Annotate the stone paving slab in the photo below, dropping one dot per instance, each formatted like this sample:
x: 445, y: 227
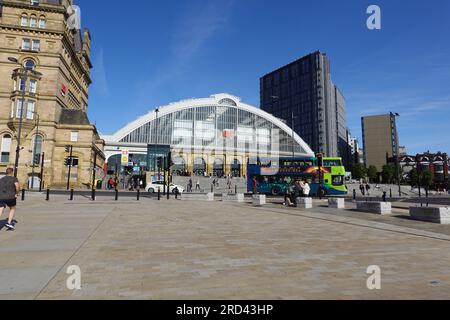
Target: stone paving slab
x: 176, y: 250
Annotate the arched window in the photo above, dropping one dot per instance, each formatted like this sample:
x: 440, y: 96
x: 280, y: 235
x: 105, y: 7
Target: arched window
x: 37, y: 150
x: 179, y: 166
x: 42, y: 22
x: 199, y: 167
x: 218, y: 168
x: 6, y: 148
x: 33, y: 21
x: 24, y: 20
x: 29, y: 64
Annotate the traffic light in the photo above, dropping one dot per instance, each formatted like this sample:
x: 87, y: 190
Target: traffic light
x: 68, y: 162
x: 169, y: 160
x: 160, y: 162
x: 36, y: 158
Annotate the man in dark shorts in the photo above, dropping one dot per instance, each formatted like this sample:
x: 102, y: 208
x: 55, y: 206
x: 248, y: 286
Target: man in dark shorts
x: 9, y: 191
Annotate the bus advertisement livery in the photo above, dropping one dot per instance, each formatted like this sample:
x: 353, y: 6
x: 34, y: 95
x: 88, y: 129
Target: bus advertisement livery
x: 274, y: 176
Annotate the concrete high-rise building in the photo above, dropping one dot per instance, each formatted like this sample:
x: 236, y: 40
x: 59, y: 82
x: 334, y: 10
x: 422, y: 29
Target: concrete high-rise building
x: 303, y: 95
x: 45, y: 76
x: 380, y: 139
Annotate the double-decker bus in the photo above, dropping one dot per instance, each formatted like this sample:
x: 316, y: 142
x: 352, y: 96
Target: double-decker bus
x: 274, y: 176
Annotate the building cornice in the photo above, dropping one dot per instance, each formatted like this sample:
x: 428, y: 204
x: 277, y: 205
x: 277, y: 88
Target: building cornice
x: 46, y: 7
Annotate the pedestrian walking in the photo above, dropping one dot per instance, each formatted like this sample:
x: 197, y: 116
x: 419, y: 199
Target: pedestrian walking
x: 362, y: 188
x: 368, y: 189
x: 197, y: 186
x: 255, y: 185
x: 9, y: 191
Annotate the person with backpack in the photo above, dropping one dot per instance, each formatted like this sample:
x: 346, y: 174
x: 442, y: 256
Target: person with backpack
x: 9, y: 191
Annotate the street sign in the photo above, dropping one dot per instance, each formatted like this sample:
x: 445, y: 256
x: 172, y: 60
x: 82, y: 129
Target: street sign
x: 125, y: 157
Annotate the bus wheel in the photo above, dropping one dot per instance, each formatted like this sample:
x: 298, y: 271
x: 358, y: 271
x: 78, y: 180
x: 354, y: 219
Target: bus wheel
x: 322, y: 193
x: 275, y: 191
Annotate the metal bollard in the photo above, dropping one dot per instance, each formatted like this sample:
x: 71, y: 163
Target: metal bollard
x: 384, y: 196
x: 159, y: 194
x: 48, y: 195
x: 117, y: 195
x: 390, y: 193
x: 176, y: 194
x: 23, y: 194
x: 354, y: 194
x: 71, y: 194
x: 93, y: 195
x: 138, y: 195
x: 168, y: 193
x: 235, y: 189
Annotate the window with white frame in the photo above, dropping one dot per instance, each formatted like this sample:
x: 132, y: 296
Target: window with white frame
x: 22, y: 85
x: 37, y: 150
x: 42, y: 22
x: 5, y: 148
x: 19, y: 108
x: 33, y: 21
x: 36, y: 45
x: 33, y: 86
x: 26, y: 44
x: 34, y: 2
x: 24, y: 21
x: 30, y: 109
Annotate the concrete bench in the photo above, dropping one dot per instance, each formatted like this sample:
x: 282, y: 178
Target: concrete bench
x: 197, y: 197
x: 304, y: 203
x: 336, y: 203
x: 233, y: 197
x: 430, y: 214
x: 259, y: 200
x: 383, y: 208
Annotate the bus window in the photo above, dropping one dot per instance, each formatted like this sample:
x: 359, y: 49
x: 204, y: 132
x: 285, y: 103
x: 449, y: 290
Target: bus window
x: 338, y: 180
x: 332, y: 163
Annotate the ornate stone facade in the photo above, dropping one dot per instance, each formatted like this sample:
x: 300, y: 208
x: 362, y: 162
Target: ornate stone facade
x: 37, y: 42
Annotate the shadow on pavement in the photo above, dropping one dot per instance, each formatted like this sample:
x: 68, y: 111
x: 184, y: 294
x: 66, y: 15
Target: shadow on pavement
x: 3, y: 224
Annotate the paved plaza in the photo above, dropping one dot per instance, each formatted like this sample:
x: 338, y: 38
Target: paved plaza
x: 200, y: 250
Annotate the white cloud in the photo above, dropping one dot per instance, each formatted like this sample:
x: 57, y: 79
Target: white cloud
x: 100, y: 82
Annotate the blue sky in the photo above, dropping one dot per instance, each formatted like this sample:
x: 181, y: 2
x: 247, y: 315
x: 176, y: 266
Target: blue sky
x: 149, y: 53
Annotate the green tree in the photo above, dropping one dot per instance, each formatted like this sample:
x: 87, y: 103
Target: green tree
x: 388, y: 173
x: 372, y: 173
x: 414, y: 177
x: 426, y: 179
x: 359, y: 171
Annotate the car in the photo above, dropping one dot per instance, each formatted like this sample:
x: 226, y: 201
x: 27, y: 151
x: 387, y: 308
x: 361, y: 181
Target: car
x: 154, y: 186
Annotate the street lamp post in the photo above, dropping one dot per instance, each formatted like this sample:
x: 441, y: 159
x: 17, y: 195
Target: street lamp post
x: 156, y: 144
x: 34, y: 149
x: 24, y: 77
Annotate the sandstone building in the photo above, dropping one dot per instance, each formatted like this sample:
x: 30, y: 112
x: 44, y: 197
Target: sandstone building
x: 37, y: 41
